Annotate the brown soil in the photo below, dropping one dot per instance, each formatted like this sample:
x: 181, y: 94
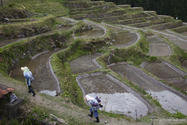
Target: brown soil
x: 162, y: 71
x: 153, y: 38
x: 136, y: 77
x: 159, y: 49
x: 84, y: 64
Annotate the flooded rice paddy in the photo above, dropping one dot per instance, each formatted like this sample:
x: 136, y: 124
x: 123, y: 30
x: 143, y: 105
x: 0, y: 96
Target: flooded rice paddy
x: 97, y: 31
x: 123, y: 39
x: 116, y: 97
x: 177, y: 41
x: 84, y: 64
x: 43, y: 78
x: 162, y: 70
x: 136, y: 77
x: 159, y: 49
x: 167, y: 97
x: 122, y: 103
x: 153, y: 38
x: 170, y: 101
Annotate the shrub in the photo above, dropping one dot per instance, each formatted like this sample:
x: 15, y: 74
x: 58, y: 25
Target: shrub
x: 152, y: 59
x: 11, y: 5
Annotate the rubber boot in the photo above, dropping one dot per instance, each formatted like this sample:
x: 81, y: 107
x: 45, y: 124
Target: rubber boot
x: 97, y: 119
x: 31, y: 90
x: 91, y: 115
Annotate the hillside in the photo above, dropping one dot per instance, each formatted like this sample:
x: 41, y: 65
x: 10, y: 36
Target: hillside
x: 79, y: 47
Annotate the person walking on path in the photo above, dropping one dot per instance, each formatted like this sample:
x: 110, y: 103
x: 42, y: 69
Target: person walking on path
x: 95, y: 104
x: 29, y: 78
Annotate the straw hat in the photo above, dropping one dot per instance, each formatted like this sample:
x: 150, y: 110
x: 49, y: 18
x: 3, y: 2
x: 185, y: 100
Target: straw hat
x: 25, y: 69
x: 85, y: 98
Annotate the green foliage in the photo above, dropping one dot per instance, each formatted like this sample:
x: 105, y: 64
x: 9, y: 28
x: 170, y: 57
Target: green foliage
x: 152, y: 59
x: 27, y: 28
x: 179, y: 115
x: 38, y: 11
x: 11, y: 5
x: 67, y: 81
x: 116, y: 59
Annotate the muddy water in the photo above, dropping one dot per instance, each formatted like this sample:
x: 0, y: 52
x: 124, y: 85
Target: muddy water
x: 115, y: 98
x: 136, y: 78
x: 122, y: 103
x: 123, y: 39
x: 84, y: 64
x: 9, y: 41
x: 39, y: 66
x: 167, y: 99
x: 162, y: 71
x: 170, y: 101
x: 159, y: 49
x: 153, y: 38
x: 100, y: 84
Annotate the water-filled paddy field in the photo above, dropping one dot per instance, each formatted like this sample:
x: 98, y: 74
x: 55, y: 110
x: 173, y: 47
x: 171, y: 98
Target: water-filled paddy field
x: 116, y: 96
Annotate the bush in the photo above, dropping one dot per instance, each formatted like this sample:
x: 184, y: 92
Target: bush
x: 11, y: 5
x: 153, y: 59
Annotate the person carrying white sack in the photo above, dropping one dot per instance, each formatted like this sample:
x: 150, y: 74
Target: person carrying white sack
x: 95, y: 104
x: 29, y: 78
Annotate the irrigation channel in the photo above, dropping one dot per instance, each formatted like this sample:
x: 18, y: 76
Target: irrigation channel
x: 116, y: 96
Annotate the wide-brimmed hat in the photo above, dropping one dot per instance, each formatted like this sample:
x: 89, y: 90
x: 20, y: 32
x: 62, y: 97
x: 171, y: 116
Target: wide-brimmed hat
x: 88, y: 98
x: 25, y: 69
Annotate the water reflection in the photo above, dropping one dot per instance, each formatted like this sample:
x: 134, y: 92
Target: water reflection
x: 122, y: 103
x: 170, y: 101
x: 39, y: 66
x: 137, y: 77
x: 167, y: 99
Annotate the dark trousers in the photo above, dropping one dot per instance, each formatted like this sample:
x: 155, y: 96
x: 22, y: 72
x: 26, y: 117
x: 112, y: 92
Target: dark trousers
x: 31, y: 90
